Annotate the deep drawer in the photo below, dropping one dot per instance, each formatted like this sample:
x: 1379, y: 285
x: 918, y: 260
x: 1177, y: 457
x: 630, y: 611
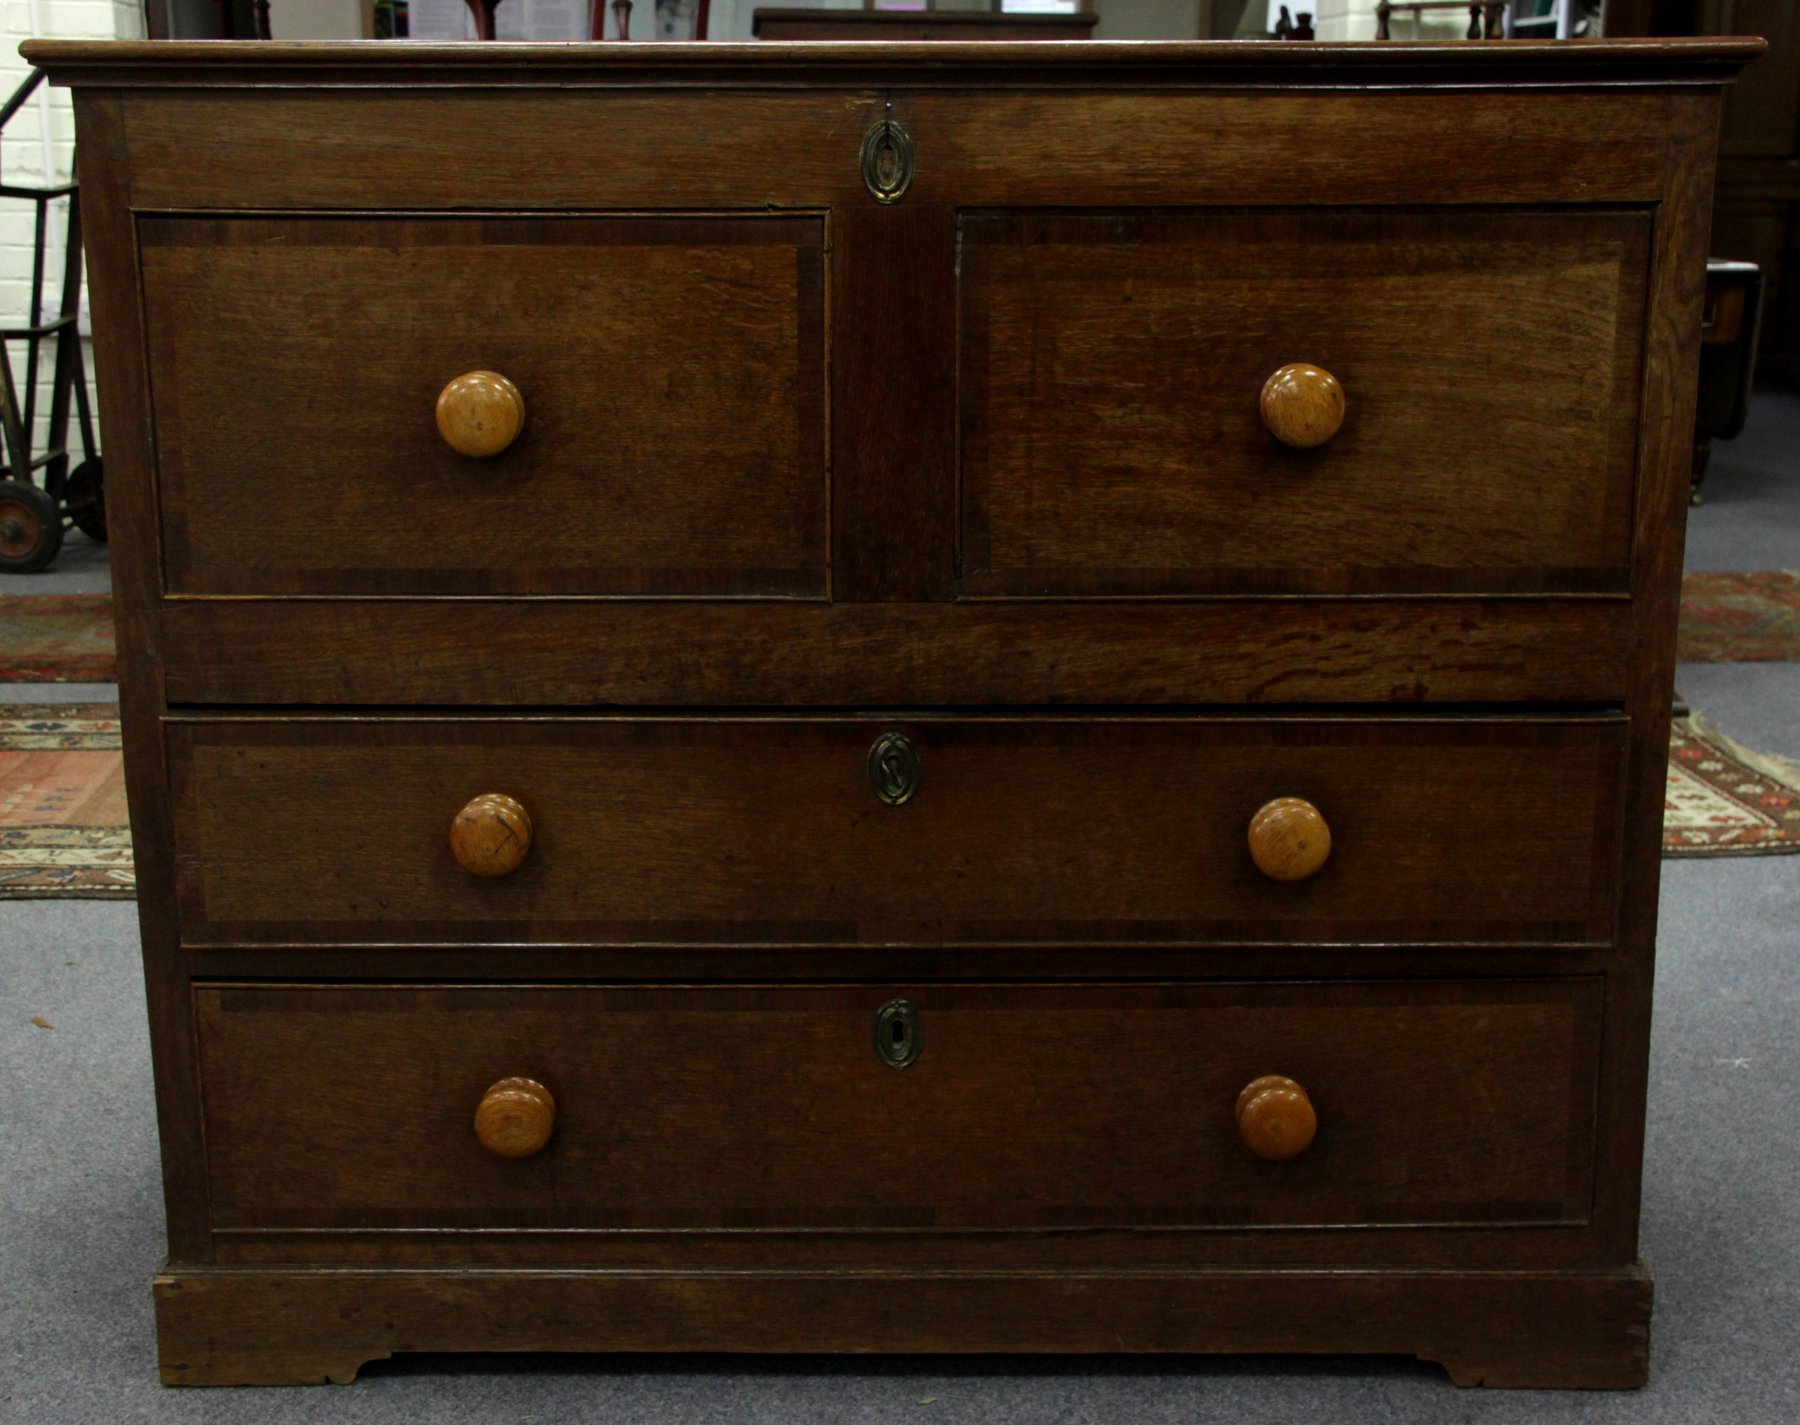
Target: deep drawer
x: 1114, y: 442
x: 1025, y: 1106
x: 671, y: 372
x: 1040, y: 830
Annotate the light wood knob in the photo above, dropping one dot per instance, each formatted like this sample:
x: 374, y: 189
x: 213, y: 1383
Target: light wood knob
x: 490, y: 836
x: 1275, y: 1118
x: 480, y: 413
x: 1289, y: 839
x: 1302, y: 405
x: 515, y: 1117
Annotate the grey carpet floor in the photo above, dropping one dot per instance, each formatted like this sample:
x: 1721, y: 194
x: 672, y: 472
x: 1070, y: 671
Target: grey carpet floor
x: 80, y: 1233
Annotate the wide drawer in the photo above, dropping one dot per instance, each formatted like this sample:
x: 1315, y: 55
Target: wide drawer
x: 671, y: 373
x: 1114, y: 440
x: 1017, y: 830
x: 745, y: 1107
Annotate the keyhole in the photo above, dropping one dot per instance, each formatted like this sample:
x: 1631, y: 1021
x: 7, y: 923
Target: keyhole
x: 893, y: 768
x: 897, y: 1034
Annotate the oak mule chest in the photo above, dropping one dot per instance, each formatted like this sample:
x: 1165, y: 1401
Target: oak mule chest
x: 905, y: 698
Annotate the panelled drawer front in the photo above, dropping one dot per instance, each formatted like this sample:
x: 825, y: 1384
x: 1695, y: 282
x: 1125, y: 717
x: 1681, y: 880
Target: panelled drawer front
x: 747, y: 1107
x: 727, y: 831
x: 671, y: 372
x: 1112, y: 364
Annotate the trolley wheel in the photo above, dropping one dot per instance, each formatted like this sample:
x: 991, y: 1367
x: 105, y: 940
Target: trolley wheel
x: 85, y: 499
x: 31, y: 528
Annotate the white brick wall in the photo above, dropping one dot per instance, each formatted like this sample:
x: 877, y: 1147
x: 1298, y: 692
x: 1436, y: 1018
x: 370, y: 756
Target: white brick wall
x: 25, y: 159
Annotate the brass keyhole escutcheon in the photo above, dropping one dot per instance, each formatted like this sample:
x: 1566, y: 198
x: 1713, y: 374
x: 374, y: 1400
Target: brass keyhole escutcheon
x: 894, y: 768
x: 898, y: 1036
x: 887, y: 161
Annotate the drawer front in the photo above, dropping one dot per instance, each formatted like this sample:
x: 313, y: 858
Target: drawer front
x: 1113, y: 435
x: 670, y: 370
x: 773, y: 831
x: 748, y: 1107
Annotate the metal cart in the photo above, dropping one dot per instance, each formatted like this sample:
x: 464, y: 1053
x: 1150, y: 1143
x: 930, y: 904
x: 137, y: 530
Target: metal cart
x: 33, y: 517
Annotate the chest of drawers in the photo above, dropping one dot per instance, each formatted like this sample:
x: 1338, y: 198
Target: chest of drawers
x: 924, y: 698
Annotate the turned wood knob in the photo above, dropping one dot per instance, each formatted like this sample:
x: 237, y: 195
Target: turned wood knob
x: 1302, y: 405
x: 514, y: 1118
x: 480, y: 413
x: 1289, y: 839
x: 490, y: 836
x: 1275, y: 1118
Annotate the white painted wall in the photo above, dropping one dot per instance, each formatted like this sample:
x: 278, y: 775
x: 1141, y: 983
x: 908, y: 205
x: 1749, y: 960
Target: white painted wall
x: 316, y: 19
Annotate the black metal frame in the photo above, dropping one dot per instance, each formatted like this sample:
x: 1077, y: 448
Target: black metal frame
x: 69, y: 377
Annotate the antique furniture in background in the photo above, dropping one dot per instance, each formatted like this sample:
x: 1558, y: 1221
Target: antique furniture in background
x: 910, y: 716
x: 1729, y: 325
x: 1485, y: 17
x: 1756, y: 213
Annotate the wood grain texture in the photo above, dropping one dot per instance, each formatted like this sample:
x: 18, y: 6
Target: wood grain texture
x: 1112, y: 364
x: 541, y: 653
x: 894, y: 401
x: 480, y: 413
x: 1545, y: 634
x: 1302, y: 405
x: 766, y: 1107
x: 490, y: 835
x: 1633, y: 63
x: 1672, y: 354
x: 1276, y: 1118
x: 665, y: 452
x: 729, y: 831
x: 515, y: 1118
x: 1289, y: 839
x: 1496, y: 1328
x: 310, y: 150
x: 122, y: 378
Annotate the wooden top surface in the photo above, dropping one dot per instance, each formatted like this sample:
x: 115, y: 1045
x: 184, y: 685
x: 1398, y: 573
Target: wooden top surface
x: 1043, y: 63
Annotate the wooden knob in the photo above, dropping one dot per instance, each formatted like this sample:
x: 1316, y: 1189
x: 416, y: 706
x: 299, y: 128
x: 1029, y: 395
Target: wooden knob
x: 480, y: 413
x: 1275, y: 1118
x: 1289, y: 839
x: 490, y: 836
x: 1302, y: 405
x: 514, y: 1118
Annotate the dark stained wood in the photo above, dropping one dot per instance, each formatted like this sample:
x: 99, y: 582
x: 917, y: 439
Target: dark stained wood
x: 721, y: 831
x: 549, y: 653
x: 131, y: 522
x: 1112, y: 365
x: 893, y: 402
x: 1043, y: 1249
x: 1070, y: 1107
x: 1461, y: 991
x: 1672, y: 359
x: 660, y: 454
x: 1495, y: 1328
x: 311, y: 150
x: 1630, y: 63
